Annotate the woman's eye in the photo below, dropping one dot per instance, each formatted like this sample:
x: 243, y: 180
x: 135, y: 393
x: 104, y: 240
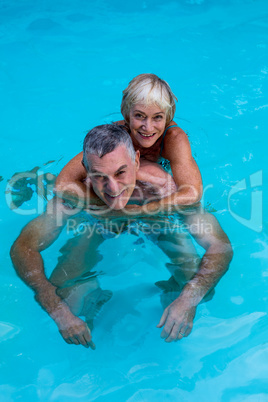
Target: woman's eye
x: 158, y: 117
x: 138, y: 115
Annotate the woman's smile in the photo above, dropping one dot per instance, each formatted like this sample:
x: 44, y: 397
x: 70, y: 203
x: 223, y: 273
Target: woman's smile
x: 144, y: 135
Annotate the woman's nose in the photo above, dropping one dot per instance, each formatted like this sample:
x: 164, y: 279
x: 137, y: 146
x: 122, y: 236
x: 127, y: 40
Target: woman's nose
x: 148, y: 125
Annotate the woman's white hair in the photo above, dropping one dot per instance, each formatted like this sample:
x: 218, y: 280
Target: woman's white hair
x: 148, y: 89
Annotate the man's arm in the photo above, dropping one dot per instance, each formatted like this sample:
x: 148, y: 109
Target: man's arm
x: 38, y: 235
x: 177, y: 318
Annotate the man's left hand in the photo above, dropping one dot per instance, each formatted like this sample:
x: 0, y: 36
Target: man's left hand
x: 177, y: 320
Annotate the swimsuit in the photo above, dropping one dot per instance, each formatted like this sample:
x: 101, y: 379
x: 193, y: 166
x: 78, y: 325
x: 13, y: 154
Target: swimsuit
x: 165, y: 163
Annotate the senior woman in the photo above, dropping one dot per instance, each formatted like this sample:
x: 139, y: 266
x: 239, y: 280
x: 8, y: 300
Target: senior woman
x: 148, y: 107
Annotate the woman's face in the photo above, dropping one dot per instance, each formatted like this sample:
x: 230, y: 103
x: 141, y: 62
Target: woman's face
x: 147, y: 124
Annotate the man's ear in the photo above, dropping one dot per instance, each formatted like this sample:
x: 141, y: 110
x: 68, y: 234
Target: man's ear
x: 137, y: 160
x: 88, y: 180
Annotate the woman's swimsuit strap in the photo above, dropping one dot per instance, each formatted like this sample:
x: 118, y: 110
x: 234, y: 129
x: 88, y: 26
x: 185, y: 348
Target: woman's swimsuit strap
x: 162, y: 142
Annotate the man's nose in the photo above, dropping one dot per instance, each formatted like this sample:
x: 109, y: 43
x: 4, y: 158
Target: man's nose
x: 112, y: 186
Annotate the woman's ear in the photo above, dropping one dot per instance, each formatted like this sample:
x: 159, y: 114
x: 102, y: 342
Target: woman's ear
x: 137, y: 160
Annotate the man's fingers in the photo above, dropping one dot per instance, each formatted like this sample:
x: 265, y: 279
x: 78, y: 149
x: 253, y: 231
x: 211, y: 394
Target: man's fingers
x: 167, y: 329
x: 92, y: 345
x: 68, y: 341
x: 87, y: 334
x: 88, y: 344
x: 80, y: 338
x: 183, y: 332
x: 75, y: 340
x: 66, y: 337
x: 84, y: 340
x: 188, y: 330
x: 180, y: 334
x: 173, y: 335
x: 163, y: 319
x: 88, y: 338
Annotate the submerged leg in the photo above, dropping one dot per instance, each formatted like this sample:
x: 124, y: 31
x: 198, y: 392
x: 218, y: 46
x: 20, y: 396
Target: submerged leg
x: 184, y: 265
x: 93, y: 303
x: 76, y: 279
x: 183, y: 256
x: 78, y: 258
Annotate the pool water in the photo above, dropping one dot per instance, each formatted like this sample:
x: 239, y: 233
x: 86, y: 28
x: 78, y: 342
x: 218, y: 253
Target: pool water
x: 63, y: 67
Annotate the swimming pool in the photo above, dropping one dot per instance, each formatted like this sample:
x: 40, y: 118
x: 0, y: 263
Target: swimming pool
x: 63, y: 67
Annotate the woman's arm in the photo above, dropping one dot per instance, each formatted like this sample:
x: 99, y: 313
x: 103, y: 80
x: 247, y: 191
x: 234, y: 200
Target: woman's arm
x: 185, y: 172
x: 70, y: 182
x: 71, y: 187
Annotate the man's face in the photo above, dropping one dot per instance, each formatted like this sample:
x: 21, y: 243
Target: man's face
x: 113, y: 176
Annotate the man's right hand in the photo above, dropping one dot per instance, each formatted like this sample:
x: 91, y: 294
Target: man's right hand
x: 72, y: 328
x: 75, y: 331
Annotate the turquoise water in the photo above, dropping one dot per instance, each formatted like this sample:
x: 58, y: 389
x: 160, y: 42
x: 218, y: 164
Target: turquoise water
x: 63, y: 67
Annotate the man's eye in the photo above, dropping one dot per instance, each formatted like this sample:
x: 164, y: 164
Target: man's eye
x: 98, y: 177
x: 120, y: 173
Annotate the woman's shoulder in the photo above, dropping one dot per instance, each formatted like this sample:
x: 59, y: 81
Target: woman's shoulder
x: 175, y: 140
x: 173, y: 129
x: 175, y: 133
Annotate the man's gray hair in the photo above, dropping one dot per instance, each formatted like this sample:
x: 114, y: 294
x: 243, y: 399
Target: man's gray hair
x: 103, y: 139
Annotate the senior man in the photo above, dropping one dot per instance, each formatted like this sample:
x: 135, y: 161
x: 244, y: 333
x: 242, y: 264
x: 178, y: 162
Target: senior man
x: 117, y: 179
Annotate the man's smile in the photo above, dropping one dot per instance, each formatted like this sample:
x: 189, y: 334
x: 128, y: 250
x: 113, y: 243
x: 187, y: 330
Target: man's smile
x: 114, y: 195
